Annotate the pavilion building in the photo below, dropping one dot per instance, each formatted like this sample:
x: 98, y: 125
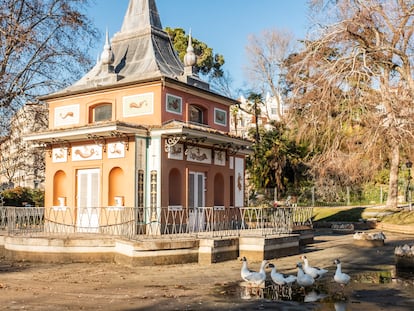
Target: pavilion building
x: 141, y: 130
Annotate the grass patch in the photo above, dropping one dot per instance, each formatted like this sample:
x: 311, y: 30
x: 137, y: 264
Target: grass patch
x: 399, y: 218
x: 354, y: 214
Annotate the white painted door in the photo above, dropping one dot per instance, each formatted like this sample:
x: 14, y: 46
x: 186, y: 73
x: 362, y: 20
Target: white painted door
x: 196, y: 201
x: 88, y: 200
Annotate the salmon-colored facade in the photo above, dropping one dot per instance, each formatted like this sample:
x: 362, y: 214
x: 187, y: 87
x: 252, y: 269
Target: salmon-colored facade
x: 123, y: 137
x: 61, y: 173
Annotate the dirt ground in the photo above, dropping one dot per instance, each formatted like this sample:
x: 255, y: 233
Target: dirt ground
x: 106, y: 286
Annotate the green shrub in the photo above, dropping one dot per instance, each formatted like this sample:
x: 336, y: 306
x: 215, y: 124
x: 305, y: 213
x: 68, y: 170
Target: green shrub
x: 21, y: 196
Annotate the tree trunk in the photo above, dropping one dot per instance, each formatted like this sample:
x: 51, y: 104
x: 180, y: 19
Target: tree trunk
x: 392, y: 199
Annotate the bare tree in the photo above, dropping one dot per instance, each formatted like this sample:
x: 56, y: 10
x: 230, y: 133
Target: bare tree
x: 353, y: 89
x: 43, y: 46
x: 10, y: 164
x: 21, y: 163
x: 266, y: 53
x: 224, y: 85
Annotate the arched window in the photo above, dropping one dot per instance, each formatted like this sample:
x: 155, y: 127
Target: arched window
x: 101, y: 112
x: 197, y: 115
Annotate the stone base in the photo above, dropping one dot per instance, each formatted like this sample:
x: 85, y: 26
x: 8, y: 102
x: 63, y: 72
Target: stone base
x: 156, y: 252
x: 96, y: 248
x: 270, y: 247
x: 307, y: 234
x: 158, y: 258
x: 218, y: 250
x: 63, y: 258
x: 59, y: 250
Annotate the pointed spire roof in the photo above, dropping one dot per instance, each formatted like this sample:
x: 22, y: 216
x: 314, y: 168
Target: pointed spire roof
x: 141, y: 50
x: 140, y: 15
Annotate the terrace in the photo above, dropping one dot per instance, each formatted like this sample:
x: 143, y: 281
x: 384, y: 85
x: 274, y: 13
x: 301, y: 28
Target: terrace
x: 214, y: 235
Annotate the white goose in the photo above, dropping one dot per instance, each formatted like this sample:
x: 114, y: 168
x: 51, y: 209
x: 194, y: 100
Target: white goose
x: 303, y: 279
x: 244, y: 269
x: 282, y: 283
x: 258, y: 278
x: 253, y: 277
x: 340, y: 277
x: 279, y: 278
x: 314, y: 272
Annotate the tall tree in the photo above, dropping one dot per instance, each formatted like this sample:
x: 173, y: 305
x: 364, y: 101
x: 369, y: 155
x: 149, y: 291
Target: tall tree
x: 255, y: 104
x: 266, y: 53
x: 277, y: 160
x: 353, y: 88
x: 40, y: 40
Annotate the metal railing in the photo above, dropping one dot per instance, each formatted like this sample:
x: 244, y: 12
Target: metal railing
x: 165, y: 222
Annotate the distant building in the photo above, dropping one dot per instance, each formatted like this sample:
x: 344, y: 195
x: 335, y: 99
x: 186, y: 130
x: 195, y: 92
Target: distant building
x: 22, y: 163
x: 243, y: 119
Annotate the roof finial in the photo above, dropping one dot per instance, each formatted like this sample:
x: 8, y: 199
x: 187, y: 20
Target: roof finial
x: 107, y: 57
x: 190, y: 59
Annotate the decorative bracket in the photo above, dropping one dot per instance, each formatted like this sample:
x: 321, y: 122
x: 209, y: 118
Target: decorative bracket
x: 121, y: 136
x: 98, y: 140
x: 48, y: 148
x: 230, y: 148
x: 171, y: 141
x: 64, y: 144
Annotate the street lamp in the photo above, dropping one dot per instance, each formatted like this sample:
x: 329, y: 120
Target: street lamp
x: 408, y: 165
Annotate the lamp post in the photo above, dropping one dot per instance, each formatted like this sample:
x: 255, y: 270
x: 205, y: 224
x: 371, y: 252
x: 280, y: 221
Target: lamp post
x: 408, y: 165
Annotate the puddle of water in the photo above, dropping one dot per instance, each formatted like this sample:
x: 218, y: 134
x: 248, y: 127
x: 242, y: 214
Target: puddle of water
x: 367, y: 291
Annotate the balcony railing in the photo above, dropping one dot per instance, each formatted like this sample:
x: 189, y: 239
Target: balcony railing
x: 140, y: 223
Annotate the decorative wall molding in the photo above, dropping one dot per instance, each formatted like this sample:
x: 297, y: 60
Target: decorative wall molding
x: 116, y: 150
x: 176, y: 152
x: 200, y: 155
x: 123, y: 138
x: 86, y: 152
x: 66, y: 115
x: 220, y: 117
x: 219, y: 157
x: 137, y: 105
x: 59, y: 155
x: 174, y: 104
x: 239, y: 181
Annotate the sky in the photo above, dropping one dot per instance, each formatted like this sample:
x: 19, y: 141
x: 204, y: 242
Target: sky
x: 223, y: 25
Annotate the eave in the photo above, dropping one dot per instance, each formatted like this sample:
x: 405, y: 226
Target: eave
x: 193, y: 134
x: 91, y: 131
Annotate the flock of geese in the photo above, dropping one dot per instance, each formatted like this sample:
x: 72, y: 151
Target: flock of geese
x: 305, y: 278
